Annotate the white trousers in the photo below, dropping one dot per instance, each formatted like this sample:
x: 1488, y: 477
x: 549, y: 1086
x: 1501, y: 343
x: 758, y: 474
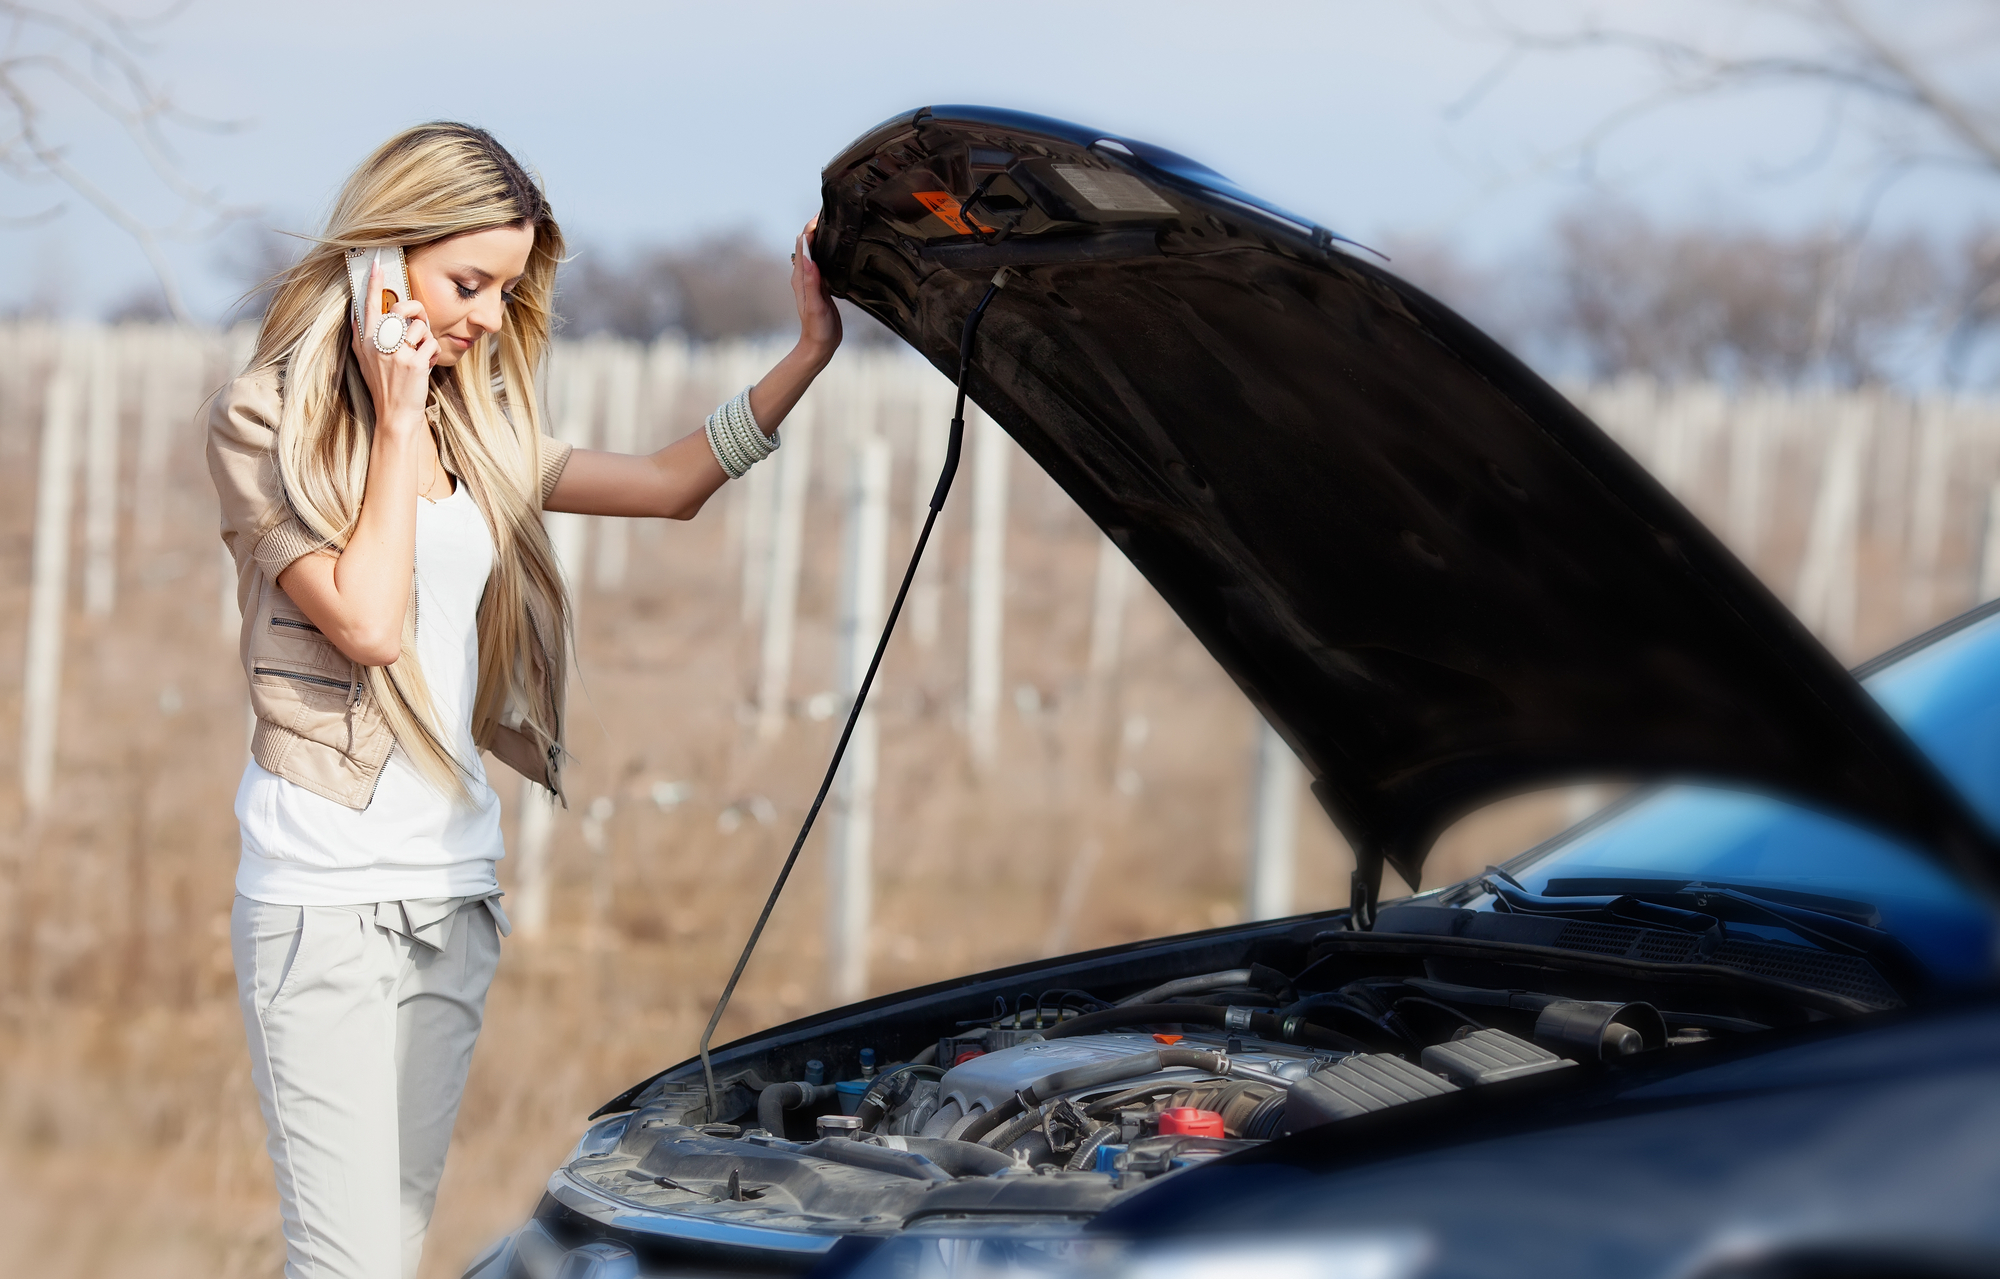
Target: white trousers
x: 360, y: 1037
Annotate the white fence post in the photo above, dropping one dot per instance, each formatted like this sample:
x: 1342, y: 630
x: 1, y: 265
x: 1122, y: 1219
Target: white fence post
x: 666, y: 375
x: 1269, y: 875
x: 1825, y: 592
x: 934, y: 400
x: 1929, y: 492
x: 573, y: 403
x: 622, y: 371
x: 1748, y: 451
x: 163, y: 355
x: 753, y: 500
x: 41, y: 692
x: 537, y: 824
x: 1107, y: 609
x: 986, y: 613
x: 100, y: 510
x: 850, y: 865
x: 781, y: 599
x: 576, y: 424
x: 1989, y: 548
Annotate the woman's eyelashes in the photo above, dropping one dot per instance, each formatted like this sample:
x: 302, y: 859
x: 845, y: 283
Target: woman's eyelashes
x: 467, y: 292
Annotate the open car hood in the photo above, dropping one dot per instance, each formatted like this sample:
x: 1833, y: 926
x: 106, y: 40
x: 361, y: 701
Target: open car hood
x: 1435, y: 577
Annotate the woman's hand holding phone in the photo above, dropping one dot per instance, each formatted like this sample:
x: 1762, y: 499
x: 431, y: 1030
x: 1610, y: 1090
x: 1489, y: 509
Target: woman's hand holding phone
x: 358, y: 597
x: 399, y: 382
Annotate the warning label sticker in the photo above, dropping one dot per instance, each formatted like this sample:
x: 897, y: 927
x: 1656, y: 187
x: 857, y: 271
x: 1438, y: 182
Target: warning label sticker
x: 1111, y: 191
x: 946, y: 207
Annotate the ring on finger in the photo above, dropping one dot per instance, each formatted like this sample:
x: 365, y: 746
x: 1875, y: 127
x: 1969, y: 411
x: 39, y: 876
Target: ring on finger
x: 390, y: 332
x: 411, y: 337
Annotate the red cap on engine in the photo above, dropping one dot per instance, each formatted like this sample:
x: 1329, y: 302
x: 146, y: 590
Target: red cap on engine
x: 1190, y: 1121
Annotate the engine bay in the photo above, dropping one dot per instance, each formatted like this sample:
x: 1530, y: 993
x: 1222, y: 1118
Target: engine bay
x: 1053, y: 1102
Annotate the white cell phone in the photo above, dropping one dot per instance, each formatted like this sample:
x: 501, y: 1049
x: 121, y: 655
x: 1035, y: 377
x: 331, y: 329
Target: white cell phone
x: 395, y: 280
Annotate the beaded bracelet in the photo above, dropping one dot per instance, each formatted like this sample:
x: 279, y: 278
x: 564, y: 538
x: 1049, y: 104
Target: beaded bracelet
x: 735, y: 438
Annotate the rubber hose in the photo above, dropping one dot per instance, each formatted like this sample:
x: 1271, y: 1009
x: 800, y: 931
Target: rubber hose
x: 860, y: 1154
x: 775, y: 1100
x: 1049, y: 1087
x: 1012, y: 1131
x: 1188, y: 986
x: 983, y: 1124
x: 1335, y: 1003
x: 874, y: 1103
x: 959, y: 1158
x: 1263, y: 1025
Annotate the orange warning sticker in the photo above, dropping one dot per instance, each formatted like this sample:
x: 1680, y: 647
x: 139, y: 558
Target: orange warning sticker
x: 945, y: 206
x: 1168, y: 1039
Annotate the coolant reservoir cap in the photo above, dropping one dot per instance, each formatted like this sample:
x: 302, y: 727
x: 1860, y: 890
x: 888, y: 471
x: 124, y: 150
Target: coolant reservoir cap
x: 1190, y: 1121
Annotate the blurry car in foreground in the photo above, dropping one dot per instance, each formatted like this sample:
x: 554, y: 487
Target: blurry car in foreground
x: 1740, y: 1023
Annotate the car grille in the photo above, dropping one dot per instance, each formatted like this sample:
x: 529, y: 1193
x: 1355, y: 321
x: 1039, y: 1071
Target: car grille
x: 1848, y: 975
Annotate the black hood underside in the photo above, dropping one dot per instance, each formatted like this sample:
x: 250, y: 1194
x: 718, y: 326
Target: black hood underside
x: 1434, y: 576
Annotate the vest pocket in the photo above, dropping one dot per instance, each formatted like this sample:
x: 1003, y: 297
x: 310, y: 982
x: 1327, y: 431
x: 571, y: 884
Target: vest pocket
x: 300, y: 677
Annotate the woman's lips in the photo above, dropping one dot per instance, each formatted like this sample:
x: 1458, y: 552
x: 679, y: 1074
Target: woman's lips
x: 464, y: 344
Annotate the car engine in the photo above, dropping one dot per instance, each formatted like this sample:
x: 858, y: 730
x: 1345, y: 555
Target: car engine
x: 1052, y: 1112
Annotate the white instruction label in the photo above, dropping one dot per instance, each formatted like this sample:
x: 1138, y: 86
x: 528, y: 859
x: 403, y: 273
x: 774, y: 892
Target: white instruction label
x: 1113, y: 192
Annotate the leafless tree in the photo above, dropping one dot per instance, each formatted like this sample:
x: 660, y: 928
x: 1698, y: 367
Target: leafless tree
x: 1903, y: 88
x: 255, y: 255
x: 65, y: 65
x: 1917, y: 83
x: 721, y: 286
x: 1736, y: 305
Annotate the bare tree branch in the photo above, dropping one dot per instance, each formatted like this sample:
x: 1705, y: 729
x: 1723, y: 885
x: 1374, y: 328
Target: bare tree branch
x: 1834, y: 48
x: 96, y: 54
x: 1918, y: 86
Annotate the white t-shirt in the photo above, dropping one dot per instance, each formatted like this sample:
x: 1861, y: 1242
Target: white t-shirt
x: 412, y: 841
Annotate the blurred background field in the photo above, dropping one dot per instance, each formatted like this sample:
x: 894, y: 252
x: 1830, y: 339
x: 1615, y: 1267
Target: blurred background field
x: 1758, y: 240
x: 1117, y: 803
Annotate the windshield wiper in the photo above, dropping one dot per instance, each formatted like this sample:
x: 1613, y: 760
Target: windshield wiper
x: 1718, y: 904
x: 1625, y: 908
x: 1858, y: 912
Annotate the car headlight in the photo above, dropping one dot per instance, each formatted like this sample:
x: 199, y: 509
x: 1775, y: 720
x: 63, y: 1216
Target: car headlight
x: 1335, y: 1255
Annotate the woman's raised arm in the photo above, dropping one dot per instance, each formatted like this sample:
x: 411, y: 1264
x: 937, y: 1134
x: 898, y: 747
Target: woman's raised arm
x: 357, y: 599
x: 674, y: 482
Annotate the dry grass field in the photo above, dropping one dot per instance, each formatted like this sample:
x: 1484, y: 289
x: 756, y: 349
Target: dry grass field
x: 129, y: 1137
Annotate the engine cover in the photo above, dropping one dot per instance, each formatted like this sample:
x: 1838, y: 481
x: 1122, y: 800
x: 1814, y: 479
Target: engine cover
x: 985, y: 1081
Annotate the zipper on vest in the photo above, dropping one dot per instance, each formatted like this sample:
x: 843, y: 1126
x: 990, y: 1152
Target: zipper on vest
x: 296, y: 625
x: 300, y: 676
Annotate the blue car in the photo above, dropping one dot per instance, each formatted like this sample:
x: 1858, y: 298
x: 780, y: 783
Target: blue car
x: 1742, y: 1023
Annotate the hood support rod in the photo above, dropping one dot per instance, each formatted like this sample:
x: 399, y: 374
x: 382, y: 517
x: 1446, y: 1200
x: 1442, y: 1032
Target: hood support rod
x: 953, y: 449
x: 1364, y: 886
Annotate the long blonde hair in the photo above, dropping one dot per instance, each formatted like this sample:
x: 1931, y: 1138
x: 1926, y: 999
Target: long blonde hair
x: 423, y: 185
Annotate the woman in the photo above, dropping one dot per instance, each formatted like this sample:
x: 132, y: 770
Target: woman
x: 402, y: 611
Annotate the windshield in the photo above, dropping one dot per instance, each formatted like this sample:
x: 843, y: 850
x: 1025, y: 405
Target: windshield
x: 1946, y: 696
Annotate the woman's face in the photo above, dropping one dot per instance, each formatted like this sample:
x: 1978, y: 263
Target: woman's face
x: 464, y: 284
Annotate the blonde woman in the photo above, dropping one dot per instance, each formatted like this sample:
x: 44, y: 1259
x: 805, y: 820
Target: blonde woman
x: 402, y: 612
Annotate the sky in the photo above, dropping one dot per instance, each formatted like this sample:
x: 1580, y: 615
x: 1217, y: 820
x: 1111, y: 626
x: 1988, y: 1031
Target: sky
x: 663, y: 121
